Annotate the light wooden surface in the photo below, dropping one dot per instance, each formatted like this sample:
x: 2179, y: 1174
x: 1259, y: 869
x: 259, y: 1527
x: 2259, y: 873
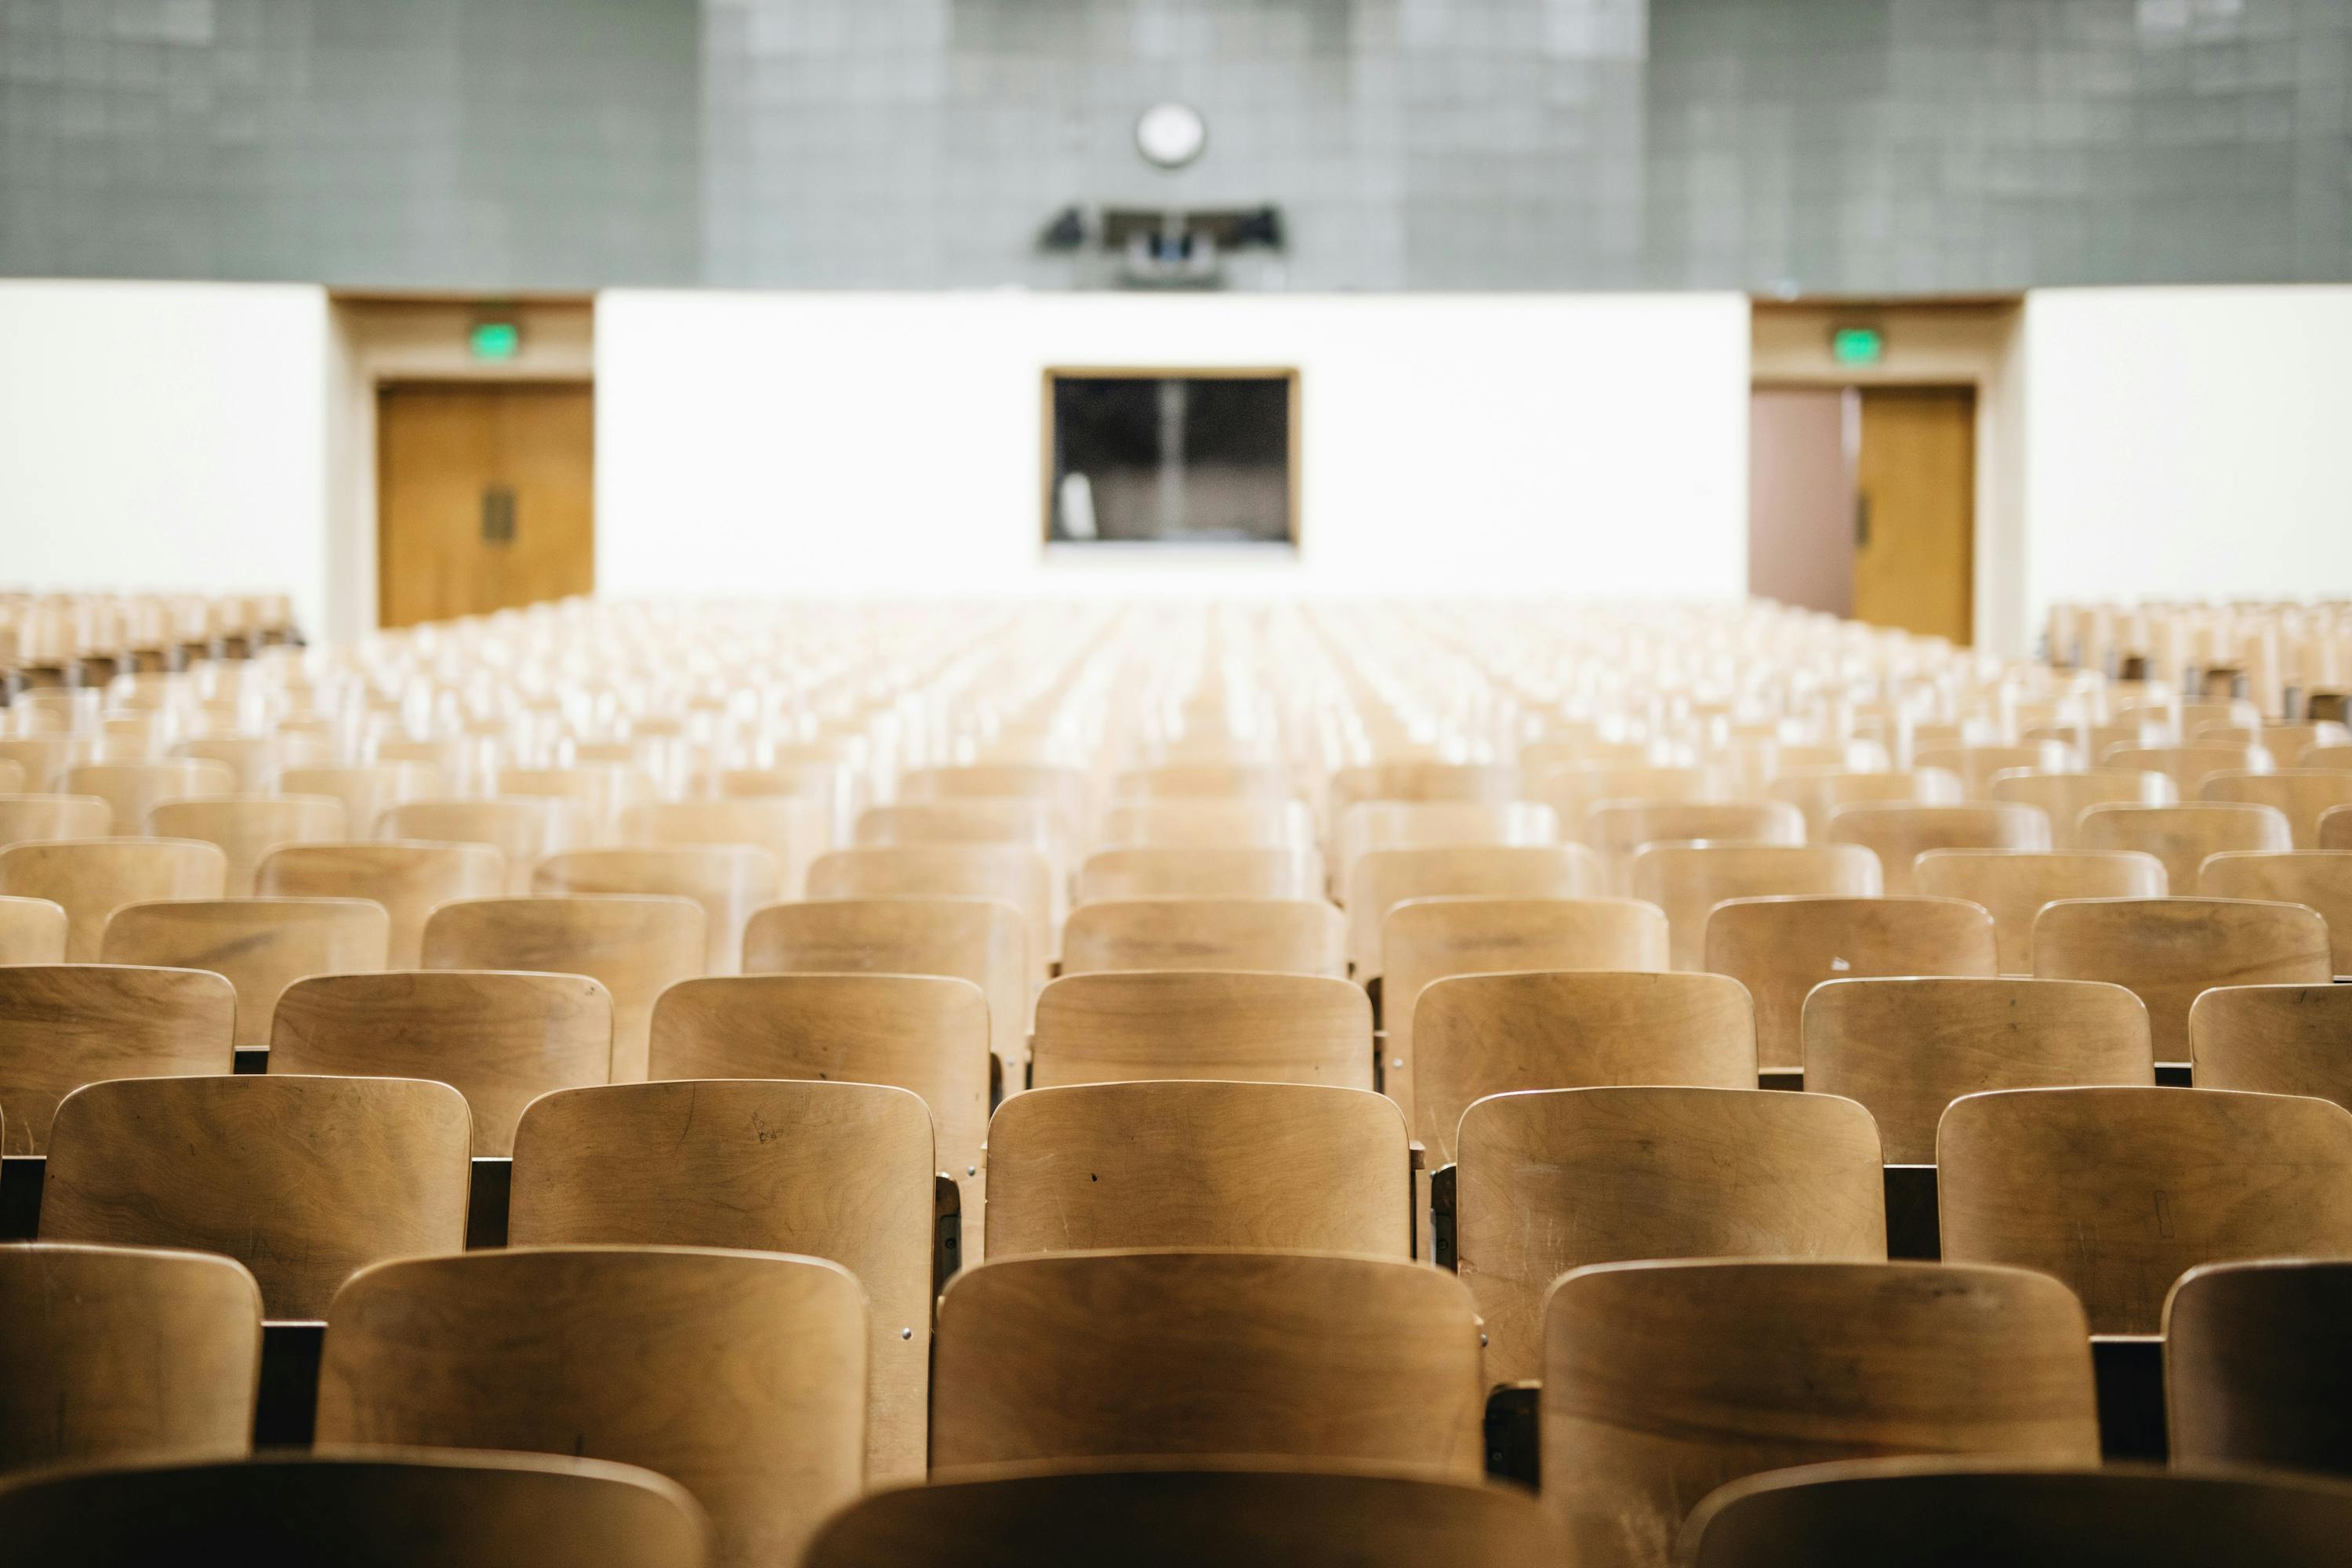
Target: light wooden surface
x: 248, y: 827
x: 1663, y: 1381
x: 1557, y: 1179
x: 45, y: 758
x: 839, y: 1171
x: 1575, y: 790
x: 1203, y: 781
x: 2063, y: 798
x: 1208, y: 871
x: 1251, y: 1027
x: 1386, y: 878
x: 1616, y: 829
x: 90, y: 878
x: 1781, y: 948
x: 12, y: 777
x: 302, y: 1180
x: 1282, y: 936
x: 30, y: 818
x: 1978, y: 766
x: 2182, y: 837
x: 259, y: 945
x: 501, y: 1039
x: 1817, y: 791
x: 1899, y: 835
x: 636, y: 947
x: 2336, y: 828
x: 2187, y: 766
x: 728, y: 881
x: 1038, y: 823
x: 2254, y: 1369
x: 1476, y: 1035
x: 1172, y: 1164
x: 2118, y: 1192
x: 131, y: 789
x: 1483, y: 784
x: 595, y: 794
x: 366, y: 789
x: 1905, y: 1048
x: 1915, y: 490
x: 258, y: 762
x: 2271, y: 1039
x: 1009, y: 873
x: 32, y: 931
x: 2168, y: 949
x: 523, y: 831
x: 1209, y: 824
x: 740, y: 1376
x: 408, y: 878
x: 2301, y: 795
x: 1281, y: 1355
x: 1687, y: 881
x: 66, y: 1025
x: 792, y: 828
x: 2014, y: 884
x: 1068, y: 790
x: 1371, y: 825
x: 114, y: 1354
x: 2320, y: 879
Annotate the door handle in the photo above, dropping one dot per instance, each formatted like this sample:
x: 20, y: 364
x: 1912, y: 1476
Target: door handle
x: 498, y: 515
x: 1862, y: 523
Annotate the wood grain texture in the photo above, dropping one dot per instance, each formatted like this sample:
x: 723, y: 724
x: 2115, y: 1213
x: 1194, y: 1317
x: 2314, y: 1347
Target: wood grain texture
x: 302, y: 1180
x: 409, y: 878
x: 248, y: 826
x: 1207, y: 871
x: 1556, y: 1179
x: 1386, y: 878
x: 740, y: 1376
x: 1663, y: 1381
x: 2119, y: 1192
x: 1171, y: 1163
x: 2271, y: 1039
x: 259, y: 945
x: 1421, y: 780
x: 636, y: 947
x: 1899, y: 835
x: 2320, y: 879
x: 501, y: 1039
x: 2300, y: 795
x: 1476, y: 1035
x: 33, y: 818
x: 131, y: 789
x: 1573, y: 790
x: 367, y: 790
x: 1781, y: 948
x: 1905, y: 1048
x: 1818, y: 792
x: 66, y: 1025
x: 1009, y: 873
x: 595, y: 795
x: 1616, y: 829
x: 2187, y: 766
x: 2254, y: 1369
x: 2182, y: 837
x: 523, y: 831
x: 2064, y: 798
x: 1370, y: 826
x: 1282, y: 936
x: 258, y: 762
x: 790, y: 827
x: 1290, y: 1356
x: 2012, y: 886
x: 1197, y: 824
x: 32, y: 931
x: 1203, y: 1024
x: 728, y: 881
x: 90, y: 878
x: 1687, y: 881
x: 838, y: 1171
x: 1978, y: 766
x: 45, y: 758
x: 2168, y: 949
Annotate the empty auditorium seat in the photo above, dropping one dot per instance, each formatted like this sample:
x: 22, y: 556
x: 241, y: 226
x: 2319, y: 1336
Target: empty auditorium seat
x: 1244, y: 1027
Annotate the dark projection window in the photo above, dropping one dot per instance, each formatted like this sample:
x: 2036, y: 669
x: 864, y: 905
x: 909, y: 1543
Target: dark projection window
x: 1201, y: 458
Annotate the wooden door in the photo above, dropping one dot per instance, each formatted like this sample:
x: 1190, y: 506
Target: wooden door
x: 485, y: 498
x: 1915, y: 546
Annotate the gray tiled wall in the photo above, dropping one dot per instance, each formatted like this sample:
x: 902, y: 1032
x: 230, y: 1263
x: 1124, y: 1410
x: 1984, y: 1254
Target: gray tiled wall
x: 1850, y: 146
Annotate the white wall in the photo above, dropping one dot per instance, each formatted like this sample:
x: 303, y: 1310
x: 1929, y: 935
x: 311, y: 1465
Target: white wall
x: 165, y: 435
x: 825, y: 443
x: 2188, y: 443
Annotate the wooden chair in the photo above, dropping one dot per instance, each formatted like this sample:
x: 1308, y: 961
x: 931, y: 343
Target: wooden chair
x: 1068, y: 790
x: 2064, y: 798
x: 12, y: 777
x: 1010, y: 873
x: 1198, y: 823
x: 2334, y: 829
x: 1186, y: 1163
x: 248, y: 826
x: 838, y: 1171
x: 1663, y: 1381
x: 2060, y: 1180
x: 410, y: 1509
x: 792, y: 828
x: 2168, y: 949
x: 45, y: 759
x: 116, y: 1354
x: 2270, y: 1039
x: 728, y: 881
x: 2336, y: 756
x: 1781, y: 948
x: 1480, y: 783
x: 410, y: 879
x: 523, y: 831
x: 2300, y: 795
x: 595, y: 793
x: 1286, y: 1356
x: 40, y: 818
x: 66, y: 1025
x: 1573, y: 792
x: 1978, y: 766
x: 302, y: 1180
x: 2255, y: 1371
x: 1288, y: 936
x: 1370, y: 826
x: 926, y: 1034
x: 1905, y: 1048
x: 131, y: 789
x: 1203, y: 781
x: 258, y: 762
x: 90, y: 878
x: 1899, y: 835
x: 1557, y: 1179
x: 259, y: 945
x: 636, y: 946
x: 1244, y: 1027
x: 500, y: 1039
x: 1687, y: 881
x: 2013, y: 885
x: 1038, y: 824
x: 831, y: 786
x: 1208, y: 872
x: 2182, y: 837
x: 978, y: 940
x: 1817, y: 791
x: 740, y: 1376
x: 1617, y: 829
x: 2318, y: 878
x: 1943, y: 1513
x: 366, y: 789
x: 32, y: 931
x: 1387, y: 878
x: 2187, y: 766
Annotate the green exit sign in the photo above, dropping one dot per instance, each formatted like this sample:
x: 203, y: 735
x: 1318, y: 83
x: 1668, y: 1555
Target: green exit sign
x: 495, y: 340
x: 1857, y: 345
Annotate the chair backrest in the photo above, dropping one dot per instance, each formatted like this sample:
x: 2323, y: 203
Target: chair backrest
x: 259, y: 945
x: 1901, y: 833
x: 1283, y: 936
x: 2335, y: 827
x: 1554, y: 1180
x: 2271, y: 1039
x: 728, y: 881
x: 366, y: 789
x: 2065, y: 796
x: 1300, y: 1167
x: 130, y: 789
x: 90, y: 878
x: 2318, y: 878
x: 839, y: 1171
x: 66, y: 1025
x: 1010, y: 873
x: 32, y: 931
x: 410, y: 1509
x: 1781, y: 948
x: 1207, y: 871
x: 1068, y: 789
x: 1479, y: 1035
x: 1037, y: 824
x: 1906, y: 1047
x: 1209, y: 824
x: 594, y: 794
x: 636, y: 946
x: 1615, y: 829
x: 740, y: 1376
x: 2169, y: 950
x: 1289, y: 1355
x: 1977, y: 765
x: 2254, y: 1365
x: 1663, y: 1381
x: 791, y: 828
x: 31, y: 818
x: 2013, y: 885
x: 1574, y: 791
x: 2061, y: 1180
x: 1386, y: 878
x: 115, y: 1354
x: 407, y: 879
x: 1482, y: 783
x: 2187, y: 766
x: 1817, y: 791
x: 1687, y: 881
x: 524, y: 830
x: 248, y: 826
x: 500, y: 1038
x: 1203, y: 781
x: 2183, y: 836
x: 2301, y: 795
x: 302, y: 1180
x: 1251, y: 1027
x: 1372, y: 826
